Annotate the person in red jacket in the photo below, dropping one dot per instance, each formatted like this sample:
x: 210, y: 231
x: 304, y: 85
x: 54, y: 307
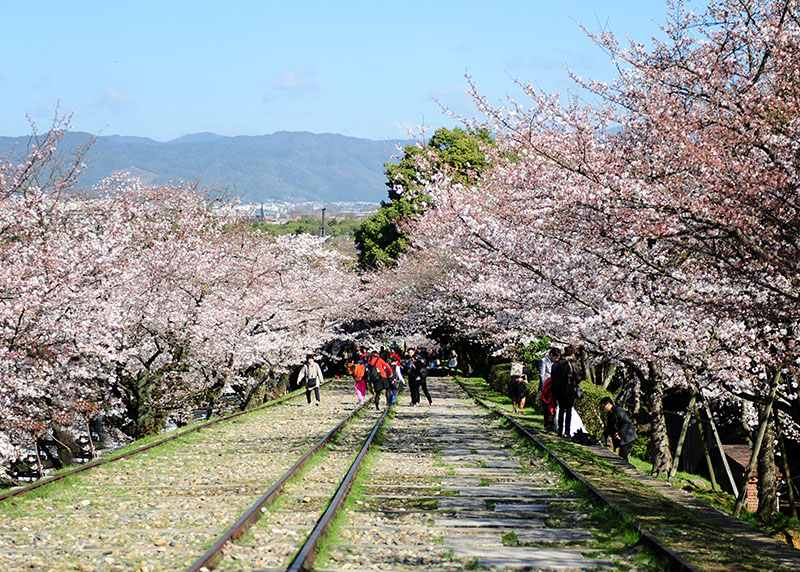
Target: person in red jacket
x: 549, y: 404
x: 380, y: 375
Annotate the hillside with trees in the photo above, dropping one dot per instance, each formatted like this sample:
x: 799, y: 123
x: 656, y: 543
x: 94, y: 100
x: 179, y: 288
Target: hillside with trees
x: 287, y: 166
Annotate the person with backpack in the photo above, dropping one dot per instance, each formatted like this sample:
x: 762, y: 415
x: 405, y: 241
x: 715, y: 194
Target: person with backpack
x: 380, y: 376
x: 565, y: 379
x: 359, y: 375
x: 311, y: 374
x: 396, y: 365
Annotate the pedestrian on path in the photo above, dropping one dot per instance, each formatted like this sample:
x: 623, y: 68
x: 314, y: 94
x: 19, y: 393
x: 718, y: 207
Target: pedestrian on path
x: 452, y: 365
x: 518, y: 392
x: 395, y: 363
x: 619, y: 428
x: 359, y: 373
x: 380, y: 375
x: 549, y: 406
x: 311, y: 376
x: 565, y: 380
x: 545, y: 369
x: 418, y: 379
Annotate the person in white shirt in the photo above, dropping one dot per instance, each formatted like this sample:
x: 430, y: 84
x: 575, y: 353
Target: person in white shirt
x: 311, y: 376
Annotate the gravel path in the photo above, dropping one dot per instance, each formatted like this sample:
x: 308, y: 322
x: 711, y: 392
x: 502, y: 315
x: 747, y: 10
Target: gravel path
x: 161, y: 509
x: 447, y: 490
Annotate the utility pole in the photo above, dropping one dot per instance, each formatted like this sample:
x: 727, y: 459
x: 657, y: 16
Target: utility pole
x: 323, y: 223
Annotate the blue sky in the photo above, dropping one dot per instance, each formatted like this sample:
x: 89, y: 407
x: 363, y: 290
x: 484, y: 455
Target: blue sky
x: 371, y: 69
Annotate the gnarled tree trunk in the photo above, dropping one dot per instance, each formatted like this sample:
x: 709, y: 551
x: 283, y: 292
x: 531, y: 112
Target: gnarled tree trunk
x: 767, y: 476
x: 652, y: 388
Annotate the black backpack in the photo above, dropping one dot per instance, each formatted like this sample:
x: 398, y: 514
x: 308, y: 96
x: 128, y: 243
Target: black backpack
x: 373, y: 373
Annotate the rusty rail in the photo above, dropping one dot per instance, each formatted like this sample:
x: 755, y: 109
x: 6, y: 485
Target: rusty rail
x: 677, y: 562
x: 253, y: 514
x: 16, y: 491
x: 305, y: 557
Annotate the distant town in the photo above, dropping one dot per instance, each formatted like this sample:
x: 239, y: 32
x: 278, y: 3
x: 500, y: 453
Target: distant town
x: 276, y: 212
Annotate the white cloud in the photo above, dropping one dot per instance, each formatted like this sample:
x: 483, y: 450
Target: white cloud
x: 109, y: 99
x: 293, y: 83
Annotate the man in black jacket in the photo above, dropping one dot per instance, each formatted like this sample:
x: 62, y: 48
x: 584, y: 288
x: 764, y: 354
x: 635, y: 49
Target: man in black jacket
x: 564, y: 382
x: 417, y: 379
x: 618, y: 428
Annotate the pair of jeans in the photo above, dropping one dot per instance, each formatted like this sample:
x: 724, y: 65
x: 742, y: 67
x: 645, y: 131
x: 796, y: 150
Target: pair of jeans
x: 308, y: 394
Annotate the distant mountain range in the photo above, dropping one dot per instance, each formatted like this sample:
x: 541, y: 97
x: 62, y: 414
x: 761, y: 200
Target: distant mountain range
x: 285, y: 166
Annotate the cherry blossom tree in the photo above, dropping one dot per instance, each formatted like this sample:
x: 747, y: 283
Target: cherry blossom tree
x: 141, y: 302
x: 656, y: 223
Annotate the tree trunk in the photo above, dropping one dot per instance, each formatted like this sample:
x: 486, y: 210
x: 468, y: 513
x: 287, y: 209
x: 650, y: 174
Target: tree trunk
x: 706, y: 451
x: 65, y: 446
x: 652, y: 387
x: 608, y: 374
x: 787, y: 473
x: 146, y: 417
x: 687, y: 419
x: 767, y: 476
x: 720, y: 448
x: 283, y: 383
x: 748, y: 472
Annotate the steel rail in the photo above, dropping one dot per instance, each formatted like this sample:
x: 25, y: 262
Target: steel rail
x: 214, y: 554
x: 677, y: 562
x: 16, y: 491
x: 305, y: 557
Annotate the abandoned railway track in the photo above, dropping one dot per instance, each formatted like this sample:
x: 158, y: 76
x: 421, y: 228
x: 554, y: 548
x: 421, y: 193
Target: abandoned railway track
x: 160, y: 509
x: 448, y: 487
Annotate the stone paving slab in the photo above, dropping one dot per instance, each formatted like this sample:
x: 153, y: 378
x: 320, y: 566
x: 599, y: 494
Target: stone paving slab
x: 471, y: 451
x: 484, y: 471
x: 494, y: 539
x: 505, y: 523
x: 510, y: 464
x: 496, y: 492
x: 460, y: 481
x: 535, y: 558
x: 553, y: 535
x: 476, y: 442
x: 517, y: 507
x: 458, y: 503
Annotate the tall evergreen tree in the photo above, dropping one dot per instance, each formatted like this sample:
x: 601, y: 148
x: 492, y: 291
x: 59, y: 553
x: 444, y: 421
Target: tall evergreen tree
x: 456, y: 152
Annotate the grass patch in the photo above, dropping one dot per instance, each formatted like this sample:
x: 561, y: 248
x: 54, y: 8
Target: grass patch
x: 781, y: 526
x: 510, y: 539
